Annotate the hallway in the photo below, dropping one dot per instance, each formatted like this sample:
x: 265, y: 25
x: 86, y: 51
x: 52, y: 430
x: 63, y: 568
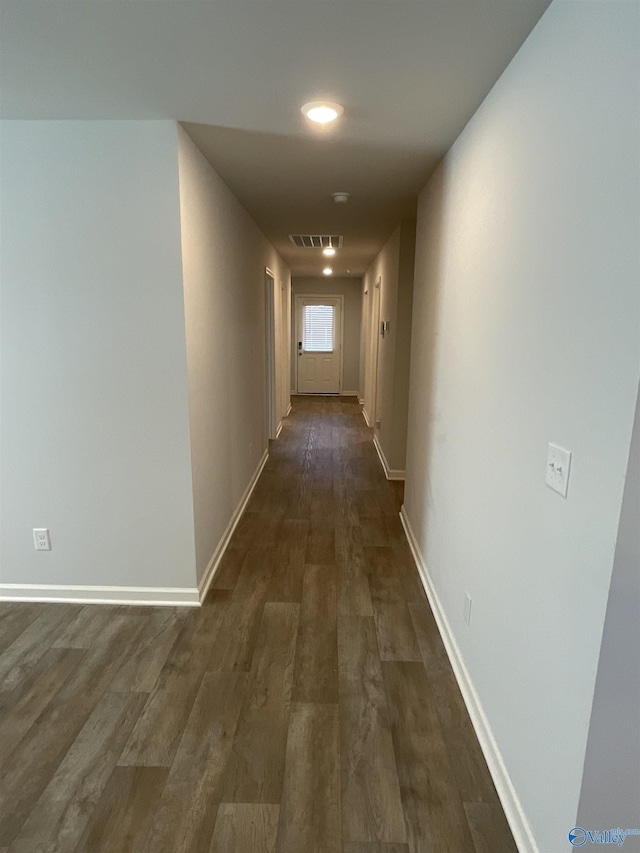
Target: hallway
x: 308, y: 705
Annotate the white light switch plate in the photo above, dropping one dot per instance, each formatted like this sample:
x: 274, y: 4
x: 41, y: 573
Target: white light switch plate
x: 558, y: 467
x: 467, y: 608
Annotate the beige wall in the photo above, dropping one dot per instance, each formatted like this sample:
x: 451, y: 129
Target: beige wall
x: 224, y: 259
x: 525, y: 332
x: 387, y: 401
x: 95, y: 431
x: 351, y: 290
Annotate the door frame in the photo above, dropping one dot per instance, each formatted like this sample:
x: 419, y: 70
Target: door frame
x: 299, y: 298
x: 285, y: 349
x: 270, y: 355
x: 375, y: 348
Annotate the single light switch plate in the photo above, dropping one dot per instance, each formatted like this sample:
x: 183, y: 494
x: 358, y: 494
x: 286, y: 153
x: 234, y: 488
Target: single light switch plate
x: 558, y: 467
x: 41, y: 538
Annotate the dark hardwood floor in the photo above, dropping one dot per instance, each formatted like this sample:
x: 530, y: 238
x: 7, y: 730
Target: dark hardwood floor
x: 307, y: 707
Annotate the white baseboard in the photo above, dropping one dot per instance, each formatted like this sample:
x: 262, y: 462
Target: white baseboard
x: 348, y: 393
x: 361, y: 400
x: 390, y: 473
x: 134, y: 595
x: 288, y: 412
x: 279, y: 430
x: 214, y: 562
x: 520, y: 826
x: 366, y: 417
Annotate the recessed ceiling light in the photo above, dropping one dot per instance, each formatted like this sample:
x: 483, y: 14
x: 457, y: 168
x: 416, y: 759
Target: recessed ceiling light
x: 329, y: 252
x: 322, y: 112
x: 327, y: 271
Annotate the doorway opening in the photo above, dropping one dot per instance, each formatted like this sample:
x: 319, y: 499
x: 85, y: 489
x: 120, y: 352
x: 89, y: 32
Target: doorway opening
x: 270, y: 338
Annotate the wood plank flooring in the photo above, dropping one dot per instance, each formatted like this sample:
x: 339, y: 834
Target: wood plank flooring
x: 307, y: 707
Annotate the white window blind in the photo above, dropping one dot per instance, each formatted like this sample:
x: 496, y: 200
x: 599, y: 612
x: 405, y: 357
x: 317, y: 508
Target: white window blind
x: 318, y: 328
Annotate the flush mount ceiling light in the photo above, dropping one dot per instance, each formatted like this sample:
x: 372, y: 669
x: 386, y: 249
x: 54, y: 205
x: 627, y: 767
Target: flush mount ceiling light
x: 322, y: 112
x: 327, y: 271
x: 340, y: 198
x: 329, y: 252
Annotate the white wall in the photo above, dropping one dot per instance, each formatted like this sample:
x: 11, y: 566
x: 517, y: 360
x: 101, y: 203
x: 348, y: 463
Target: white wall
x: 387, y: 400
x: 525, y: 331
x: 351, y: 290
x: 610, y: 794
x: 94, y: 434
x: 224, y: 259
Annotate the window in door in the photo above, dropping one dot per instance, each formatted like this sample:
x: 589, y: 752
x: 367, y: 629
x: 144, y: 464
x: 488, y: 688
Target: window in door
x: 318, y: 328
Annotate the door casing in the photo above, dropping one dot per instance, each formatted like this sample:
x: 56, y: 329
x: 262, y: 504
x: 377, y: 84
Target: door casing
x: 270, y: 360
x: 374, y: 353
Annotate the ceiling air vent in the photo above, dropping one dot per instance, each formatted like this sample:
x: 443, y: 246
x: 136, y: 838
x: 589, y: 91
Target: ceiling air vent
x: 316, y: 241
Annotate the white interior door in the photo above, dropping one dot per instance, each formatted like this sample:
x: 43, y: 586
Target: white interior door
x: 319, y: 344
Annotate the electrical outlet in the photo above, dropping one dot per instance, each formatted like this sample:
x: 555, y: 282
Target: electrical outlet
x: 41, y: 538
x: 467, y: 608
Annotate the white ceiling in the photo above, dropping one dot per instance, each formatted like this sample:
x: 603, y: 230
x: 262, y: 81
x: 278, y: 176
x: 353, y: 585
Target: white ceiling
x: 235, y: 72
